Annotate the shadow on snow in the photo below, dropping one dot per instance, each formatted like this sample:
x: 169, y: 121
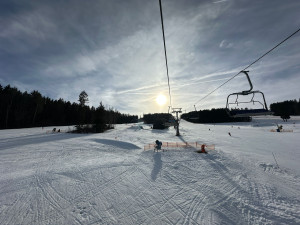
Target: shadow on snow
x: 119, y: 144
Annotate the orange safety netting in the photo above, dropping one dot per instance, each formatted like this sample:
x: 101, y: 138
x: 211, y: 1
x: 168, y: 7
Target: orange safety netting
x: 180, y: 145
x: 281, y: 130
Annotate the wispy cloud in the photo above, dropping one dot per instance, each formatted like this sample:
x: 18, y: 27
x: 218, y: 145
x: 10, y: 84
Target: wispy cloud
x: 220, y: 1
x: 225, y: 44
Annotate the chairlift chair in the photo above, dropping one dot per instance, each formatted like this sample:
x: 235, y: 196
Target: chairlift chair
x: 247, y: 112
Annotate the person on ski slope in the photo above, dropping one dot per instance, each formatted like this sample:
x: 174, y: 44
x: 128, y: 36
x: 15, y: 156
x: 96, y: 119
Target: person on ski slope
x: 203, y: 149
x: 158, y: 145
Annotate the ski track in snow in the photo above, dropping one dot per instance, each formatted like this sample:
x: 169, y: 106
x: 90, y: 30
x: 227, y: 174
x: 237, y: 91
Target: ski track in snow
x: 108, y: 178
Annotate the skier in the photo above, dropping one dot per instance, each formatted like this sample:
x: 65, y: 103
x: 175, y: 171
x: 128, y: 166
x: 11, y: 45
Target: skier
x: 229, y: 134
x: 203, y: 149
x: 279, y: 128
x: 158, y: 145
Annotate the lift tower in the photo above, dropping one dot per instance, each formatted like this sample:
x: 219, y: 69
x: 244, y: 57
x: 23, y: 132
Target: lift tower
x: 177, y: 110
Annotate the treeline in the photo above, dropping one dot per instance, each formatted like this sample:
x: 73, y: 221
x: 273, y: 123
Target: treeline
x: 159, y: 120
x: 22, y: 109
x: 153, y: 118
x: 212, y: 116
x: 286, y: 108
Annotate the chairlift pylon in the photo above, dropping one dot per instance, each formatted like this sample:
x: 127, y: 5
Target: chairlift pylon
x: 176, y: 111
x: 247, y: 112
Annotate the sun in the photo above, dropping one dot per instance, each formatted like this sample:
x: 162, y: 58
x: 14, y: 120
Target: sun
x: 161, y: 99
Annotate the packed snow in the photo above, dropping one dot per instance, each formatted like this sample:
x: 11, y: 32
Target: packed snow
x: 252, y: 176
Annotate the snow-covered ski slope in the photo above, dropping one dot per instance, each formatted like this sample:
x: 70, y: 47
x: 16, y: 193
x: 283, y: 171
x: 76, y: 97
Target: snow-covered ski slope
x: 61, y: 178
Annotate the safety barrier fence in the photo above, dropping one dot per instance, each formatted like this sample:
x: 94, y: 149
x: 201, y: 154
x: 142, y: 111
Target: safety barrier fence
x: 281, y: 130
x: 180, y: 145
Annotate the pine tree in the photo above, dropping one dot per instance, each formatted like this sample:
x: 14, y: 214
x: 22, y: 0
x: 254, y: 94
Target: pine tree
x: 83, y: 98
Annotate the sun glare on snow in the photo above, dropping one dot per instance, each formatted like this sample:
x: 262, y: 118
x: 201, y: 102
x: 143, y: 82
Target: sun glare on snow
x: 161, y: 99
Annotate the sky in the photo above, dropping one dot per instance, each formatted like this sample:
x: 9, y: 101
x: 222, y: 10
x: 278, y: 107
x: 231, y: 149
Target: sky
x: 114, y: 50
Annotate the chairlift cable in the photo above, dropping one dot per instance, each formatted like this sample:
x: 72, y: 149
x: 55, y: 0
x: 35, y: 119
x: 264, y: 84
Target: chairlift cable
x: 249, y: 65
x: 163, y: 32
x: 174, y: 110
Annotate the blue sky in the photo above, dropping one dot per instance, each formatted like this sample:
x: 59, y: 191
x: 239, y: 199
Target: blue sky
x: 114, y: 50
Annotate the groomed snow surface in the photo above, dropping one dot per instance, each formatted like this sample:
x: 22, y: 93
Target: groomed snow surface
x: 108, y: 178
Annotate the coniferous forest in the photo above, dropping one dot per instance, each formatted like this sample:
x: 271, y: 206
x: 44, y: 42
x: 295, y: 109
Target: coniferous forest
x: 212, y: 116
x: 291, y: 108
x: 21, y: 109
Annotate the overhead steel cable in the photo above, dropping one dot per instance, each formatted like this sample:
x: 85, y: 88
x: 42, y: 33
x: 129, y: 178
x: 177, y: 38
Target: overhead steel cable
x: 162, y: 27
x: 249, y: 65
